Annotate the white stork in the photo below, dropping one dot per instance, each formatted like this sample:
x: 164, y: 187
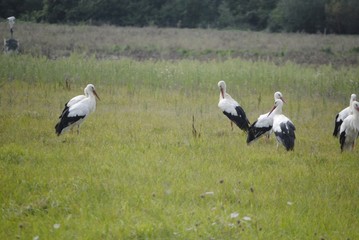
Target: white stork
x: 343, y: 114
x: 76, y: 112
x: 349, y: 130
x: 263, y: 125
x: 231, y: 108
x: 283, y: 127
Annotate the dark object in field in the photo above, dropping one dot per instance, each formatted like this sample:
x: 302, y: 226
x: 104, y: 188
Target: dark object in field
x: 195, y: 133
x: 11, y: 45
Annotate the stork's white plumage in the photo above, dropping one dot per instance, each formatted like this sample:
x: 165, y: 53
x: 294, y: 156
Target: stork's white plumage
x: 349, y: 130
x: 263, y: 125
x: 283, y: 127
x: 75, y: 100
x: 343, y: 114
x: 76, y: 113
x: 231, y: 108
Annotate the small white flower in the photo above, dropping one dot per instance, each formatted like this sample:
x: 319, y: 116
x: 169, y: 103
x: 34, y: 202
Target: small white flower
x: 246, y: 218
x: 36, y: 238
x: 209, y: 193
x: 290, y: 203
x: 57, y: 225
x: 234, y: 215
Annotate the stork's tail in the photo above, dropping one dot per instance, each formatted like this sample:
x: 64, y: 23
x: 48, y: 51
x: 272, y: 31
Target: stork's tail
x: 251, y: 135
x: 58, y: 128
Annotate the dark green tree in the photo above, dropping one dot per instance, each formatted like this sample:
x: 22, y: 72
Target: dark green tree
x: 336, y: 16
x: 294, y: 16
x: 343, y: 16
x: 19, y: 8
x: 251, y: 14
x: 225, y: 18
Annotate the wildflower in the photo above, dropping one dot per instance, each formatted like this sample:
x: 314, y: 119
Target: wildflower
x: 246, y: 218
x: 57, y: 225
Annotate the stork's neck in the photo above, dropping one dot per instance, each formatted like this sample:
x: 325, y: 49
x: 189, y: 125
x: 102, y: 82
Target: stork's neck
x: 222, y: 94
x: 92, y: 96
x: 225, y: 96
x: 356, y: 119
x: 277, y: 110
x: 355, y: 113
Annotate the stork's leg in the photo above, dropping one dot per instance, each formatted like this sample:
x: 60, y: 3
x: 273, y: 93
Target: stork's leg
x: 78, y: 129
x: 231, y: 125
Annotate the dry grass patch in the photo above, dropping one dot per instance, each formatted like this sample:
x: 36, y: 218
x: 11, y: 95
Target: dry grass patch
x: 106, y: 41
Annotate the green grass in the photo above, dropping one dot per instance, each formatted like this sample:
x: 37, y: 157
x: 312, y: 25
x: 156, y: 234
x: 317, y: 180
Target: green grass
x: 136, y: 171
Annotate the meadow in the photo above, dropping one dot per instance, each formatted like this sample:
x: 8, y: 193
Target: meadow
x: 137, y: 171
x: 110, y: 42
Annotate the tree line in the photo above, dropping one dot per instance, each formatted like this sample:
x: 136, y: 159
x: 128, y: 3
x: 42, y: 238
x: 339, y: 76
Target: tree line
x: 311, y: 16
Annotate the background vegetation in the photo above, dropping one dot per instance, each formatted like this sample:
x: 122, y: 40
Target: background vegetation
x: 55, y: 41
x: 137, y: 171
x: 326, y: 16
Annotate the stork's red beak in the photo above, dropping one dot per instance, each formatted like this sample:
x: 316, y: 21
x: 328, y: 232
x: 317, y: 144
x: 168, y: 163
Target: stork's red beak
x: 222, y: 92
x: 281, y: 98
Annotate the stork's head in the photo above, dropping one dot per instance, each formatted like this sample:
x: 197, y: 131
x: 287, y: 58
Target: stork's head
x: 90, y: 88
x: 222, y: 87
x: 353, y: 97
x: 278, y: 95
x: 355, y: 105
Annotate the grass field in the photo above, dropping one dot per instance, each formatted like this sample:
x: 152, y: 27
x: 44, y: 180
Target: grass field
x: 56, y: 41
x: 136, y: 171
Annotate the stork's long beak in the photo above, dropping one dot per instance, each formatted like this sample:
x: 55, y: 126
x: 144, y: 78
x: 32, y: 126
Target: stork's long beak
x: 271, y: 110
x: 94, y: 92
x: 222, y: 92
x: 282, y: 99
